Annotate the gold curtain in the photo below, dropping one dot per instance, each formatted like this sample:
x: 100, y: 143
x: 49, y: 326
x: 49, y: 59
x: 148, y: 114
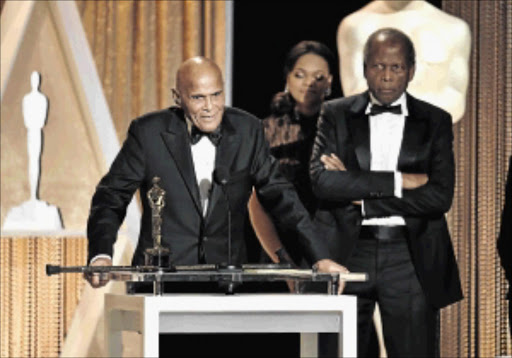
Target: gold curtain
x: 36, y: 310
x: 477, y: 326
x: 138, y: 46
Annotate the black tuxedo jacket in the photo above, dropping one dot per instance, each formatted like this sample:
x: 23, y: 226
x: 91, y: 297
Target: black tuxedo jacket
x: 158, y: 144
x: 505, y: 236
x: 426, y: 148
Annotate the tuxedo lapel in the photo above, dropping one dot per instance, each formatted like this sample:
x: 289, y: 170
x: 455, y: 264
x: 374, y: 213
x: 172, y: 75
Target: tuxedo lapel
x: 358, y: 124
x: 226, y: 151
x: 177, y: 142
x: 413, y: 135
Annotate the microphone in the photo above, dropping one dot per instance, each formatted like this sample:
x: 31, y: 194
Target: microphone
x: 221, y: 177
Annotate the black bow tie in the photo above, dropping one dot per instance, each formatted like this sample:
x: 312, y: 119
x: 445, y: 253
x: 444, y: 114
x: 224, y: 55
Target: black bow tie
x: 376, y: 109
x: 196, y: 134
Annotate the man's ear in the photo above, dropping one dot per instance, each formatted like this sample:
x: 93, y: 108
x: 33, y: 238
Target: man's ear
x: 411, y: 73
x: 176, y: 97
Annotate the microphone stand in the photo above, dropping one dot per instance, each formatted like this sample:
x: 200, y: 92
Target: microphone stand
x: 222, y: 178
x: 230, y: 264
x: 229, y: 267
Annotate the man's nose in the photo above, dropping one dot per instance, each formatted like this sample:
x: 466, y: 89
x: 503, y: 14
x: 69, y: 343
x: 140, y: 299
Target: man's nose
x: 387, y: 74
x: 208, y: 103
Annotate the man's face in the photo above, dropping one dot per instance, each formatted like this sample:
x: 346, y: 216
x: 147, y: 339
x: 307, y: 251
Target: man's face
x: 387, y: 71
x: 201, y: 95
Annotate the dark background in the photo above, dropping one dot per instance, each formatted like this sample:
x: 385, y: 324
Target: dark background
x: 265, y: 31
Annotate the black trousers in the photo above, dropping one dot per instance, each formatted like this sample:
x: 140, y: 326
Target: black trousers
x: 409, y: 322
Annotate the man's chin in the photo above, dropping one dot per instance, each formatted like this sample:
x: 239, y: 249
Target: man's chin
x: 208, y: 127
x: 386, y: 100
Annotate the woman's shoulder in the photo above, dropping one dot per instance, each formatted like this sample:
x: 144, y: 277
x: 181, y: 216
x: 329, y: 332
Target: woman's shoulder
x: 275, y: 118
x: 276, y: 122
x: 281, y: 130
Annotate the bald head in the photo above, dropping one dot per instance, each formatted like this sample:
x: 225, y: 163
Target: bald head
x: 194, y: 69
x: 199, y: 92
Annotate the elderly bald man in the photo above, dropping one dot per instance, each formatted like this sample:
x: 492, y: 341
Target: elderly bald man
x: 183, y: 145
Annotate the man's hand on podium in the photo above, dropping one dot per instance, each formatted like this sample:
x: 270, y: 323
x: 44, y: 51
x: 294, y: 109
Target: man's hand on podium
x: 98, y: 279
x: 329, y: 266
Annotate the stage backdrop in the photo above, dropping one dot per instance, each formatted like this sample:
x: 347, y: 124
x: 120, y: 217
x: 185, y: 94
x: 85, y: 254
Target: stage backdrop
x: 138, y: 46
x: 137, y: 76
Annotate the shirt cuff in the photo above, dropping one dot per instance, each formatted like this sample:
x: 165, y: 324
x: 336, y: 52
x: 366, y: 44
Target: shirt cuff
x: 398, y: 184
x: 362, y: 209
x: 100, y: 256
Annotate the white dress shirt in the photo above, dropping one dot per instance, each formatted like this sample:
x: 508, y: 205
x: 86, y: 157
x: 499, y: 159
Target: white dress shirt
x: 386, y: 134
x: 203, y: 156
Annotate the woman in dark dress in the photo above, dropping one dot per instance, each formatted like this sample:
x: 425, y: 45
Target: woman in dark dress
x: 290, y: 131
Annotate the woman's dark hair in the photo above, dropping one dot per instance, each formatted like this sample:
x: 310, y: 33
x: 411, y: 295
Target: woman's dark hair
x: 283, y: 101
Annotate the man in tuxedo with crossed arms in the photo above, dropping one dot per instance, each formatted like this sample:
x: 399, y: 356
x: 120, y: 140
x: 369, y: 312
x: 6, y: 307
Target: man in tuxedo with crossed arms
x: 383, y: 169
x: 183, y: 145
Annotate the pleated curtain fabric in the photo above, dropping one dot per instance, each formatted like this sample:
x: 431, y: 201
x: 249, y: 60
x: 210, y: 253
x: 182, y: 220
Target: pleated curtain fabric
x: 36, y: 310
x: 139, y: 45
x: 477, y: 326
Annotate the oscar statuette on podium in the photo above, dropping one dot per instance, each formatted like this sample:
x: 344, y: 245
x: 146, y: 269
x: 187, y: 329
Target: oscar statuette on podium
x: 157, y: 255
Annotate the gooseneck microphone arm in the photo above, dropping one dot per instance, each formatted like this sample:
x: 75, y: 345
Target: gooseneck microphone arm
x: 221, y: 177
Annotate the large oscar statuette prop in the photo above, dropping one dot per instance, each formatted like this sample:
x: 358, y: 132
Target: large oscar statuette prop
x: 157, y: 255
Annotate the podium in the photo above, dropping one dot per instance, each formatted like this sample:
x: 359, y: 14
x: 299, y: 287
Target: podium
x: 150, y: 315
x: 307, y: 314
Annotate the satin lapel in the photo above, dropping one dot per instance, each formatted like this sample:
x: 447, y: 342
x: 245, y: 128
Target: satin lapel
x: 224, y: 156
x: 176, y: 140
x: 359, y: 127
x: 413, y: 136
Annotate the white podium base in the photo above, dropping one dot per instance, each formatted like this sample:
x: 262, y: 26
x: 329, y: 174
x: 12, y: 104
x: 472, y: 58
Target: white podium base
x: 251, y: 313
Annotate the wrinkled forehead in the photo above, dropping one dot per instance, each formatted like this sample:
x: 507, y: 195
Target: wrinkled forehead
x: 206, y: 82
